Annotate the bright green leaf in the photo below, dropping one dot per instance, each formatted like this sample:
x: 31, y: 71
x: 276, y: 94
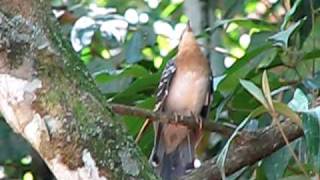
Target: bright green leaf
x: 254, y: 91
x: 299, y: 101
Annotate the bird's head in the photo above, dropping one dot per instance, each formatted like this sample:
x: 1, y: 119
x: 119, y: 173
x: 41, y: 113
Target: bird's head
x: 188, y: 41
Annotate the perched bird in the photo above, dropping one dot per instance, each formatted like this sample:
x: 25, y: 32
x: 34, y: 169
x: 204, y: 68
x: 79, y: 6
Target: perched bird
x: 185, y: 89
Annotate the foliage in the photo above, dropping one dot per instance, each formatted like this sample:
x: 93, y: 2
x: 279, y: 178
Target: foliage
x: 125, y: 45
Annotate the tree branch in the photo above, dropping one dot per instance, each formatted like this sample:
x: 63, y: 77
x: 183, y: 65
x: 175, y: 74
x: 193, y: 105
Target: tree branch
x: 247, y: 151
x: 169, y: 118
x: 264, y: 143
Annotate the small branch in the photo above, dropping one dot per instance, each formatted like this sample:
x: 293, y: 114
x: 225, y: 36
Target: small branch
x: 169, y: 118
x: 264, y: 143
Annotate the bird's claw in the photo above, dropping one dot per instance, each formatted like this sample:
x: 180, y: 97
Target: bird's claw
x: 198, y: 120
x: 176, y: 118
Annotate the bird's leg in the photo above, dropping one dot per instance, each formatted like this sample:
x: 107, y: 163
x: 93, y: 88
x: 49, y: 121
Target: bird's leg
x: 177, y: 118
x: 198, y: 120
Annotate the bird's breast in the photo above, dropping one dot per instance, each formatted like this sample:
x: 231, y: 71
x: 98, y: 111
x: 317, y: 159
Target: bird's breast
x: 187, y: 93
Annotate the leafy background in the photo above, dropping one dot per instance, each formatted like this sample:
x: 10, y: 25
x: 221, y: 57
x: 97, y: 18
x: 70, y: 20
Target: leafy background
x: 125, y: 45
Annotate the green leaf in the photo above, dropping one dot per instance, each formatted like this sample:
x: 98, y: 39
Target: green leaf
x: 216, y: 81
x: 313, y: 83
x: 149, y: 35
x: 130, y: 94
x: 134, y: 71
x: 276, y: 164
x: 112, y: 81
x: 315, y: 53
x: 269, y: 58
x: 286, y: 111
x: 281, y: 39
x: 266, y: 90
x: 256, y: 52
x: 299, y: 101
x: 170, y: 9
x: 311, y: 128
x: 248, y: 23
x: 223, y: 154
x: 295, y: 177
x: 255, y: 92
x: 134, y: 48
x: 115, y: 85
x: 289, y: 14
x: 97, y: 66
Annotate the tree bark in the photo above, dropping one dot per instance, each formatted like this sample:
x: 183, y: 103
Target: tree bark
x: 47, y: 96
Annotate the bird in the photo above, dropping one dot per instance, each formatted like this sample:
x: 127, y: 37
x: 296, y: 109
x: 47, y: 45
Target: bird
x: 185, y: 89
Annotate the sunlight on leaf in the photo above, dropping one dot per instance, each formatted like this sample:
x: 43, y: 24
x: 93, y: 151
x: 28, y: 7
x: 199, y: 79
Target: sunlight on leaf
x: 299, y: 101
x: 282, y: 38
x: 266, y: 90
x: 255, y: 92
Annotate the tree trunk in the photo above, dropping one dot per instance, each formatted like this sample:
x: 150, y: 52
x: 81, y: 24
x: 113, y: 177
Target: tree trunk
x: 47, y: 96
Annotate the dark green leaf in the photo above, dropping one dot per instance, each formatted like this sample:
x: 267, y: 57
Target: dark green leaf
x: 311, y: 128
x: 149, y: 82
x: 269, y: 58
x: 257, y: 51
x: 134, y: 47
x: 277, y: 162
x: 313, y: 83
x: 149, y: 35
x: 115, y: 85
x: 290, y: 13
x: 312, y: 54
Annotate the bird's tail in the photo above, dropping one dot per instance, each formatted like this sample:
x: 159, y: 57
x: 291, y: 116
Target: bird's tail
x: 175, y: 164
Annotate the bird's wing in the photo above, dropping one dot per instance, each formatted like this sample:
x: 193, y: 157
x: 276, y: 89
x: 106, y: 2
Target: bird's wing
x: 206, y: 106
x: 162, y: 93
x: 164, y: 84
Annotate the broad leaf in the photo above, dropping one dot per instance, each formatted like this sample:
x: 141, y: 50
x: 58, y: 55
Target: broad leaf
x: 134, y: 48
x: 299, y: 101
x: 277, y: 162
x: 255, y: 92
x: 311, y: 128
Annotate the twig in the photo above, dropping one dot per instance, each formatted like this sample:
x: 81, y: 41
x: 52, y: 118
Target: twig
x: 169, y: 118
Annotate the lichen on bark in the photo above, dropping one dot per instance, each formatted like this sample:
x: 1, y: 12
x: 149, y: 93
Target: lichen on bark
x: 72, y: 108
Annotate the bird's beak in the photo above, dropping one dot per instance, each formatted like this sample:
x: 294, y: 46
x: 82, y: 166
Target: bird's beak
x: 188, y: 28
